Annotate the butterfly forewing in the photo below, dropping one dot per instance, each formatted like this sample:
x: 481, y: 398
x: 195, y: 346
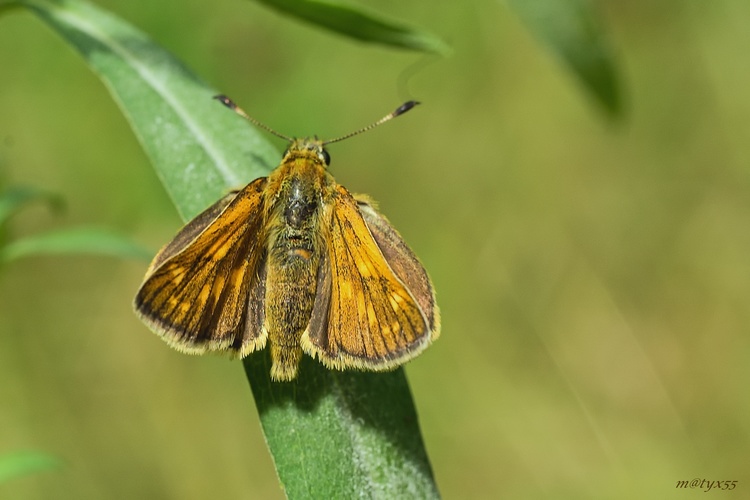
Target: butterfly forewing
x: 364, y: 316
x: 197, y: 291
x: 190, y: 231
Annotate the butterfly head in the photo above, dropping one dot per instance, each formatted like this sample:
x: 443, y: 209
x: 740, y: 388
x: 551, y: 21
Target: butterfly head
x: 309, y: 148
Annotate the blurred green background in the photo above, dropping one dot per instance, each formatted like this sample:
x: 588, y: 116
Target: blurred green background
x: 593, y: 276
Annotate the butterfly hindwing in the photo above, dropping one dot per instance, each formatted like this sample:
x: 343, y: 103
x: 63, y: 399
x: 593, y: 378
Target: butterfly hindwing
x: 402, y: 261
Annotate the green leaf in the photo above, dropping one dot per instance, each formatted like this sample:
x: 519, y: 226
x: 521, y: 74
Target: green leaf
x: 21, y: 463
x: 74, y: 241
x: 357, y: 23
x: 329, y: 433
x: 572, y: 31
x: 14, y: 198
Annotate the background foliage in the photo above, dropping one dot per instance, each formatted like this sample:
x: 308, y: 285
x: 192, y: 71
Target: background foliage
x: 593, y: 276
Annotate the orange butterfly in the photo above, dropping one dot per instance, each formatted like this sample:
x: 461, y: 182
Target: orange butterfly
x: 297, y: 261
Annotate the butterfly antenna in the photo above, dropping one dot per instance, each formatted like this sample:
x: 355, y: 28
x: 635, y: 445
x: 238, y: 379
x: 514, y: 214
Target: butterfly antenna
x: 399, y: 111
x: 231, y: 105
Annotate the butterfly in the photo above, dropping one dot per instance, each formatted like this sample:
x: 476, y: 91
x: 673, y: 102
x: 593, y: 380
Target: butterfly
x: 296, y: 261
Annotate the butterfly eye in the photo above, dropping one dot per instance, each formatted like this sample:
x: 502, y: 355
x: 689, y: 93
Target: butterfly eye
x: 326, y: 157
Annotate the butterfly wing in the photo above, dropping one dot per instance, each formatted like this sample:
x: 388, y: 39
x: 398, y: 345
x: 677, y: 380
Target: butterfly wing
x: 403, y: 262
x: 204, y: 290
x: 365, y: 315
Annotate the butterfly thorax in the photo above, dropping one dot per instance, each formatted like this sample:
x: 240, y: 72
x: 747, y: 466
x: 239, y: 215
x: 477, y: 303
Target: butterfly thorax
x: 294, y: 251
x: 293, y: 201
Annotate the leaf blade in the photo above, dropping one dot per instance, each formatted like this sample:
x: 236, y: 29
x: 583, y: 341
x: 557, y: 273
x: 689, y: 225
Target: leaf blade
x: 199, y: 146
x: 27, y: 462
x: 571, y: 30
x: 352, y: 432
x: 16, y: 197
x: 359, y: 24
x: 75, y: 241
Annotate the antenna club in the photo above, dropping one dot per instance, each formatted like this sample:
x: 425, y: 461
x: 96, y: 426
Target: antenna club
x: 405, y: 107
x: 226, y: 101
